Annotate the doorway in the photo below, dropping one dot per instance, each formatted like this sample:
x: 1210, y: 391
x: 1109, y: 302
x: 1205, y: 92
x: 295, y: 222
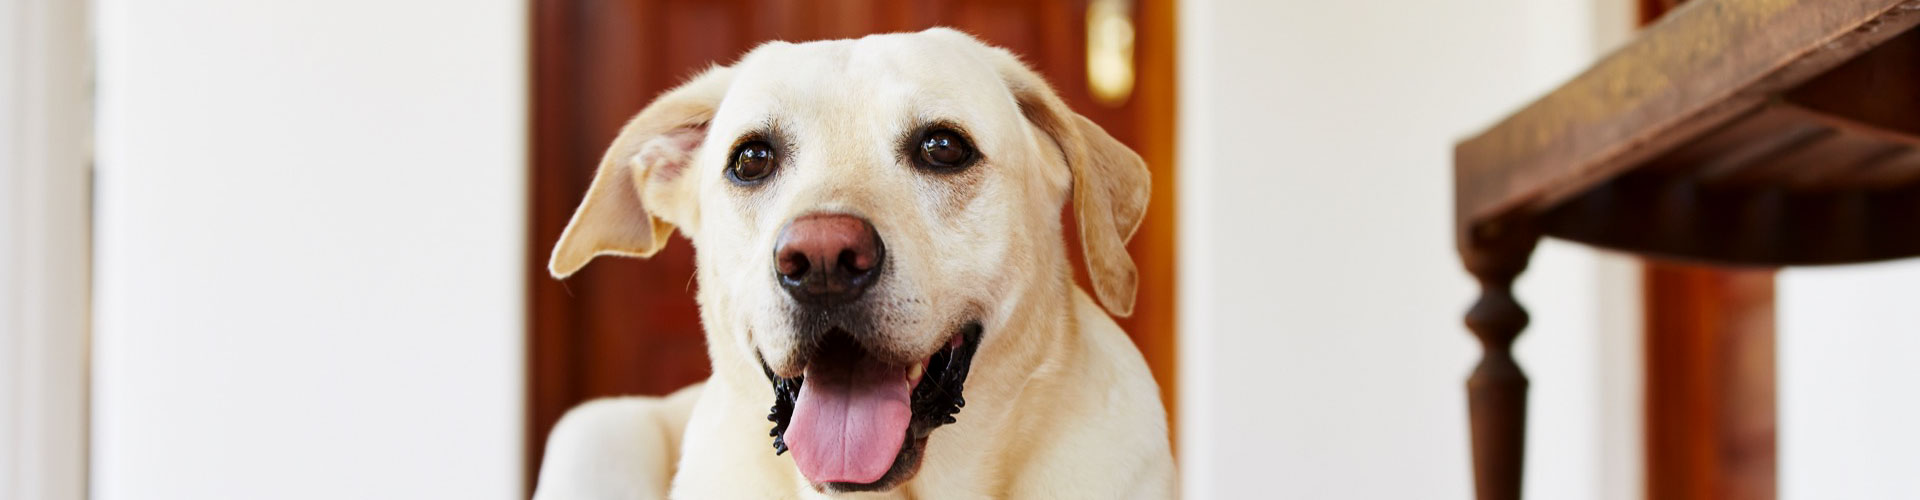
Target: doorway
x: 624, y: 326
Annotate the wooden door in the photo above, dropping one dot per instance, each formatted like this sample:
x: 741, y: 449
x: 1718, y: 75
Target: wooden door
x: 624, y: 326
x: 1709, y: 373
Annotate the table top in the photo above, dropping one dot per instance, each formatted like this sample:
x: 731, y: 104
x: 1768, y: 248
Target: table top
x: 1764, y: 132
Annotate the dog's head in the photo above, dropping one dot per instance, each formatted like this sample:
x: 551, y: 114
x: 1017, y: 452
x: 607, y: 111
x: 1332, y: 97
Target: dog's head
x: 866, y: 213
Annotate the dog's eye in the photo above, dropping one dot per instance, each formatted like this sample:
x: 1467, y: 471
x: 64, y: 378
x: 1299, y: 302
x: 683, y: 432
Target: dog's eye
x: 944, y: 149
x: 752, y: 162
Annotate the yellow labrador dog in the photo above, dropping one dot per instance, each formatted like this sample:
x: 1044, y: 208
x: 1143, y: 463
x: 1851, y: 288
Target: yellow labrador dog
x: 884, y: 283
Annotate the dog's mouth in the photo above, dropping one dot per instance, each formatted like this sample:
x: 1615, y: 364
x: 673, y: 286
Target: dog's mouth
x: 857, y: 423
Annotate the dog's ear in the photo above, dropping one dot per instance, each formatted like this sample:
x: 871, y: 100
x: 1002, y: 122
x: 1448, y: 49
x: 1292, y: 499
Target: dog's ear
x: 1111, y: 184
x: 639, y: 194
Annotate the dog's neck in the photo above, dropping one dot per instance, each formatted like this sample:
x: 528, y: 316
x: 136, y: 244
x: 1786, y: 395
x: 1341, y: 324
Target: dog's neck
x: 1039, y: 329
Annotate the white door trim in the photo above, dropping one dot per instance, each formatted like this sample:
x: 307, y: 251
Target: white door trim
x: 45, y: 247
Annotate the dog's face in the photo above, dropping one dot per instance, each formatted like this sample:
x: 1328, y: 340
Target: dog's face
x: 901, y: 150
x: 866, y: 213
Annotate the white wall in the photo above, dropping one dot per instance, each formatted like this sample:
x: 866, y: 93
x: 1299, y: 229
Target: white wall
x: 310, y: 231
x: 1849, y: 357
x: 1322, y: 349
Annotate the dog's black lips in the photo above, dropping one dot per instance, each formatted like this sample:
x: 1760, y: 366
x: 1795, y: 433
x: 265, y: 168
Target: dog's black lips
x: 935, y: 401
x: 785, y: 391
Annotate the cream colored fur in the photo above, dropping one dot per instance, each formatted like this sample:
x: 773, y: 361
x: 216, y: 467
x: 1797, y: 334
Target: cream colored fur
x: 1060, y: 403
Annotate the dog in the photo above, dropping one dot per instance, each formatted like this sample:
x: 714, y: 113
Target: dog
x: 882, y: 262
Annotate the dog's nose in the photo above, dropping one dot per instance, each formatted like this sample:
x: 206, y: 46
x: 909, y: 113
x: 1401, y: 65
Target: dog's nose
x: 828, y: 259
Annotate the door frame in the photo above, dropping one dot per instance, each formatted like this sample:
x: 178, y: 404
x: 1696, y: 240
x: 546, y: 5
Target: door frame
x: 46, y: 264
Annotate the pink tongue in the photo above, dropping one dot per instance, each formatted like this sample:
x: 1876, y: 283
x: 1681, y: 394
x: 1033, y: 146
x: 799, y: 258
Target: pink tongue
x: 849, y: 421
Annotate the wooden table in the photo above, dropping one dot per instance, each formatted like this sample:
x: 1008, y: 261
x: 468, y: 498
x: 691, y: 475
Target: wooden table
x: 1744, y: 132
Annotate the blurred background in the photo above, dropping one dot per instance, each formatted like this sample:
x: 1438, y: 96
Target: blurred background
x: 295, y: 249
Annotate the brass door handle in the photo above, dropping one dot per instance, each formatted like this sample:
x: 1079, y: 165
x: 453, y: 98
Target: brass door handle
x: 1110, y: 51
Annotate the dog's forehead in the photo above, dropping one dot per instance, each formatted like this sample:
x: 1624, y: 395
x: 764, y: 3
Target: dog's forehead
x: 892, y: 77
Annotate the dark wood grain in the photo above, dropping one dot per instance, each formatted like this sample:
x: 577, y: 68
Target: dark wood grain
x: 1730, y: 132
x: 1708, y: 370
x: 1747, y: 225
x: 1708, y: 62
x: 1876, y: 94
x: 1497, y: 391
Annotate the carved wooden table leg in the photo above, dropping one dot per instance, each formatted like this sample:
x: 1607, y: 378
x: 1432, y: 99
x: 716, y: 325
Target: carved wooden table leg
x: 1497, y: 391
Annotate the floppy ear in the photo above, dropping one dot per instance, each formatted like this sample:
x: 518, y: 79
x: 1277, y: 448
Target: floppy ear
x: 1111, y: 184
x: 638, y: 195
